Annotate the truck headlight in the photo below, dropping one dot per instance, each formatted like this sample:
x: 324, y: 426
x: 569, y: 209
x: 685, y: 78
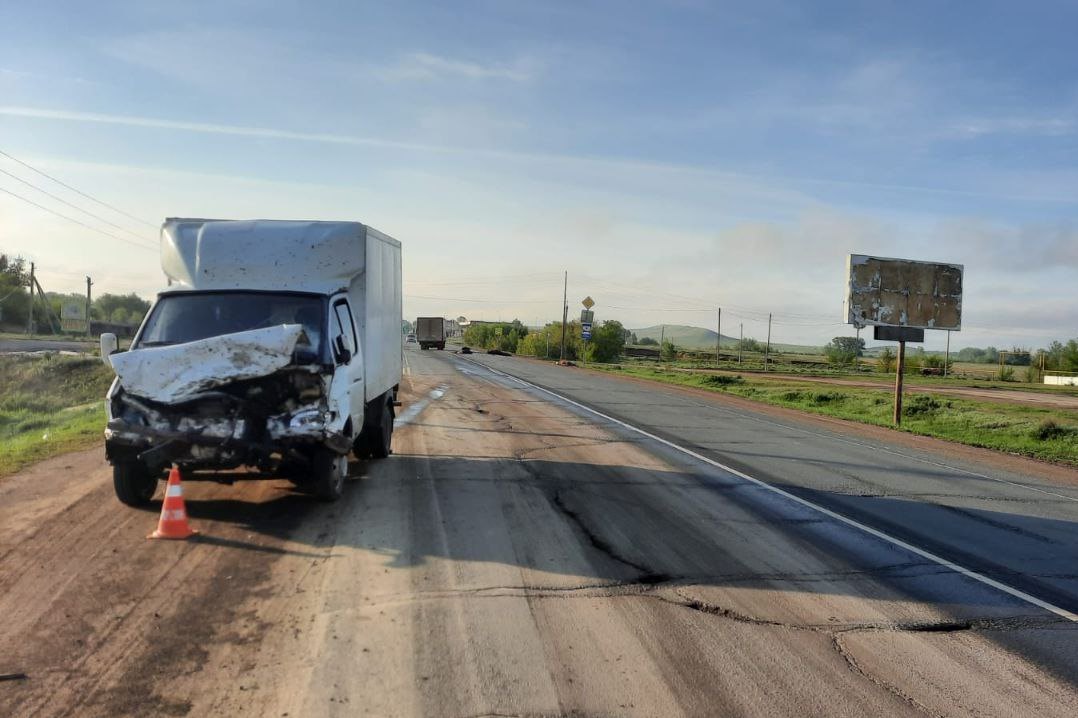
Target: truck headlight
x: 305, y: 418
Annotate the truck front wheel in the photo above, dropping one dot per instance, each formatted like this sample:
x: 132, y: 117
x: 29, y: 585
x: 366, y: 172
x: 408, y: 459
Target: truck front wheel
x: 328, y: 471
x: 133, y: 482
x: 380, y: 436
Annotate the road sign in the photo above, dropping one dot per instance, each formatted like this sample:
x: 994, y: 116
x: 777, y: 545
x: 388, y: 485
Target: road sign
x: 588, y: 302
x: 585, y: 330
x: 898, y: 334
x: 586, y: 316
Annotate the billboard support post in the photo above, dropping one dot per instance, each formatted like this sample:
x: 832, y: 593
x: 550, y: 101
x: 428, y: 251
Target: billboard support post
x: 898, y: 382
x: 947, y: 355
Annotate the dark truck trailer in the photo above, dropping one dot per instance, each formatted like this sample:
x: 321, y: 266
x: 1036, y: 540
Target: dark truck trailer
x: 430, y: 331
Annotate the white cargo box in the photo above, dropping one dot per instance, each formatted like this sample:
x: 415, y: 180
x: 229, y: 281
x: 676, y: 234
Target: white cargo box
x: 314, y: 257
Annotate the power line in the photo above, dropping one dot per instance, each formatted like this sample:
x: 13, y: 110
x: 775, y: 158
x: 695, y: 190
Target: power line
x: 77, y: 191
x: 78, y: 222
x: 481, y: 301
x: 69, y: 204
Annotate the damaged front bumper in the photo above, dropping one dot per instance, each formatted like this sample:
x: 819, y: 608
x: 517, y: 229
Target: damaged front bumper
x: 267, y: 422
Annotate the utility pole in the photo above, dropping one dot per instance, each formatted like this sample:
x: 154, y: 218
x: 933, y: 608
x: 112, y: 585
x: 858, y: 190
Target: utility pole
x: 662, y: 340
x: 767, y: 349
x: 30, y: 310
x: 89, y: 283
x: 740, y: 341
x: 947, y: 356
x: 718, y: 336
x: 564, y: 312
x: 898, y: 382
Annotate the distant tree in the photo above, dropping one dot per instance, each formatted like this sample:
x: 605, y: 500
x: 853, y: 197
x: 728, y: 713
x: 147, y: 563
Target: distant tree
x: 14, y: 300
x: 937, y: 361
x: 844, y: 350
x: 504, y: 335
x: 134, y: 306
x: 648, y: 342
x: 607, y: 341
x: 668, y: 352
x: 14, y: 266
x: 752, y: 345
x: 886, y: 363
x: 406, y: 326
x: 1069, y: 356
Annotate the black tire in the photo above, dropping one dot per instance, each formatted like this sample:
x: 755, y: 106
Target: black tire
x: 380, y: 436
x: 328, y: 472
x: 134, y: 483
x: 361, y: 447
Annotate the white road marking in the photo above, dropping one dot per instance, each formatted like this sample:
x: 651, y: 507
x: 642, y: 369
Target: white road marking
x: 415, y: 408
x: 894, y: 541
x: 893, y: 452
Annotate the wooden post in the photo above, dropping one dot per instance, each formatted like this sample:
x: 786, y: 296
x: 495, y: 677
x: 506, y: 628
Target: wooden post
x: 89, y: 284
x: 767, y: 349
x: 30, y: 309
x: 564, y: 313
x: 898, y: 382
x: 718, y: 339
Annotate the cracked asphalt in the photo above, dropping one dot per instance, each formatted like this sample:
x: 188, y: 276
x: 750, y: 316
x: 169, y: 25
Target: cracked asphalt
x: 519, y: 556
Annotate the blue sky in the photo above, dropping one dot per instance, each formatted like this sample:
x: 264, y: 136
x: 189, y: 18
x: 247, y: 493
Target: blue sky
x: 673, y: 157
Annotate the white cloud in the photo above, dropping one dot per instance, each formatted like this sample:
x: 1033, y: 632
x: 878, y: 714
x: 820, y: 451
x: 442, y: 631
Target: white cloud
x: 424, y: 66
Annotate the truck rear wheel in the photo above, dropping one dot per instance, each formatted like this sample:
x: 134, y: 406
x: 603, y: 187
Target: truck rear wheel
x: 133, y: 482
x: 328, y: 471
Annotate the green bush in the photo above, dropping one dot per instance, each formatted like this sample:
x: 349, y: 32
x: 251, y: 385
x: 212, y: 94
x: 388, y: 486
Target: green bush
x: 1049, y: 429
x: 723, y: 380
x: 921, y: 404
x: 886, y: 363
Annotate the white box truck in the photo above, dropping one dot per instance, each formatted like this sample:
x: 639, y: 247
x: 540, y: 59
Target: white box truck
x: 276, y: 345
x: 430, y: 332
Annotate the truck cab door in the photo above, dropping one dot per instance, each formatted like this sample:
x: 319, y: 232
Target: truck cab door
x: 348, y: 356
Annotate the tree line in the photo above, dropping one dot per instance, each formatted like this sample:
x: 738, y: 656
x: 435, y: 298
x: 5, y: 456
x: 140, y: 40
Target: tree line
x: 15, y: 300
x: 607, y: 341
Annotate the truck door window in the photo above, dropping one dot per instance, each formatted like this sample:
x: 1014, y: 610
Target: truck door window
x: 343, y: 325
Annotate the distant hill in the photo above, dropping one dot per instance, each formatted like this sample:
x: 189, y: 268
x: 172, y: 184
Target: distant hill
x: 686, y: 337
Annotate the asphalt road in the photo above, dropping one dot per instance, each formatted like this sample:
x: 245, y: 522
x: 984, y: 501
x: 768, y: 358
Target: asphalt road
x: 520, y: 555
x: 37, y: 345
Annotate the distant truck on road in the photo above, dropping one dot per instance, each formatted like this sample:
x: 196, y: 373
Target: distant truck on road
x: 430, y: 331
x: 276, y: 346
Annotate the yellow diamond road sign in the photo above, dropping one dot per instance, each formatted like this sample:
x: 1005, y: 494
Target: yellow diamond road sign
x: 588, y: 302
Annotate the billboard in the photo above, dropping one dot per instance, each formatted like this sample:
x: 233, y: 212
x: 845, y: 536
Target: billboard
x: 903, y: 293
x: 73, y: 316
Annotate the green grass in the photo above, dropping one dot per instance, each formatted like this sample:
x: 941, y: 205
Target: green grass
x: 49, y: 404
x: 1042, y: 433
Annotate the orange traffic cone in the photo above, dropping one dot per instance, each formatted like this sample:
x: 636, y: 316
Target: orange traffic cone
x: 173, y: 523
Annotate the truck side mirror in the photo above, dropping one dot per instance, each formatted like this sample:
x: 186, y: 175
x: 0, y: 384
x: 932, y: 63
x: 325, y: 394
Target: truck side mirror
x: 340, y: 352
x: 109, y: 345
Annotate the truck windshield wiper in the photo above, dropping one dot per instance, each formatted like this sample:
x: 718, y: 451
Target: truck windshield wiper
x: 159, y: 343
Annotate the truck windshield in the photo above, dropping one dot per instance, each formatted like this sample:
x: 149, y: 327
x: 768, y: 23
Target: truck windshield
x: 188, y: 317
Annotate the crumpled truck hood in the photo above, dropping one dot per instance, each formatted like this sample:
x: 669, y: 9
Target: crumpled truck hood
x: 177, y: 372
